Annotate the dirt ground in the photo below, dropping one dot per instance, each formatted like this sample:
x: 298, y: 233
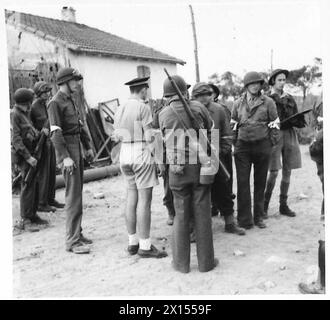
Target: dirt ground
x: 275, y: 259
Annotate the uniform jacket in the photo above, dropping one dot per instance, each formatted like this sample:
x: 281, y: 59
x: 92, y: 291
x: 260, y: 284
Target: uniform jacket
x: 169, y: 123
x: 286, y: 107
x: 24, y: 135
x: 316, y: 148
x: 221, y: 122
x: 63, y: 114
x: 253, y: 120
x: 39, y: 115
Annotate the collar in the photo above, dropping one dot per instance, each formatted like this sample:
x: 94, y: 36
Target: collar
x: 22, y: 108
x: 284, y: 94
x: 63, y: 95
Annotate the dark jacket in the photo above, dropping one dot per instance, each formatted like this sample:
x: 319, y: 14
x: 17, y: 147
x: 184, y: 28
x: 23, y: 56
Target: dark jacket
x: 221, y: 122
x: 24, y: 135
x: 63, y: 114
x: 39, y: 114
x: 316, y: 148
x: 169, y: 122
x: 253, y: 121
x: 286, y: 106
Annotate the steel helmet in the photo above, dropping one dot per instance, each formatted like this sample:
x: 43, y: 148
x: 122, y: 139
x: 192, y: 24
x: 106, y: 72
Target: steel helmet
x: 41, y: 87
x: 275, y: 73
x: 201, y: 88
x: 215, y: 89
x: 23, y: 96
x: 252, y: 77
x: 168, y: 89
x: 67, y: 74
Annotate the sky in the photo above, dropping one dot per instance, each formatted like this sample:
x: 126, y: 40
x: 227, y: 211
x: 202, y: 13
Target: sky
x: 235, y: 36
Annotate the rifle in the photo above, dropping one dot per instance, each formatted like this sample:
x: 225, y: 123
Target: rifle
x: 196, y: 125
x: 37, y: 155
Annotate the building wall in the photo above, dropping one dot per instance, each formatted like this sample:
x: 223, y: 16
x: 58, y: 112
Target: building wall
x: 104, y: 77
x: 22, y: 45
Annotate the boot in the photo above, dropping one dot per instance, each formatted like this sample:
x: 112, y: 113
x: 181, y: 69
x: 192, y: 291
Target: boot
x: 46, y: 208
x: 171, y: 214
x: 266, y: 205
x: 284, y: 208
x: 56, y: 204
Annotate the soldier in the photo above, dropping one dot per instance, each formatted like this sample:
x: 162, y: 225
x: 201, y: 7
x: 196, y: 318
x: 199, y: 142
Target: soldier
x: 168, y: 196
x: 24, y: 140
x: 287, y: 147
x: 221, y: 192
x: 47, y: 169
x: 316, y: 152
x: 253, y: 113
x: 133, y: 122
x: 68, y: 131
x: 191, y: 199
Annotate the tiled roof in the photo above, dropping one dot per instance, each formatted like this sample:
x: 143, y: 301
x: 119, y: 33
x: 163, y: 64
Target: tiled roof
x: 81, y: 38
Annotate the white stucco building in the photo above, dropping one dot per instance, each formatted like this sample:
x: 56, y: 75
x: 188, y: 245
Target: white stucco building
x: 105, y: 60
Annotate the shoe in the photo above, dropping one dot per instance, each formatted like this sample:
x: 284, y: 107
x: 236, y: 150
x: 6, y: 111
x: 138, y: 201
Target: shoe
x: 133, y: 249
x: 26, y: 225
x: 37, y: 220
x: 46, y: 208
x: 170, y: 220
x: 286, y: 211
x: 85, y: 240
x: 313, y: 288
x: 152, y: 253
x: 260, y: 224
x: 233, y: 228
x: 56, y: 204
x: 79, y: 248
x: 247, y: 226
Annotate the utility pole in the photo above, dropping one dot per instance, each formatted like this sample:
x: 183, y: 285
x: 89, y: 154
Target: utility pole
x: 271, y: 60
x: 195, y: 43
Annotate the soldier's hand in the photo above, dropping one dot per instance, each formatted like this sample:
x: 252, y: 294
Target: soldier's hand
x: 45, y: 131
x: 161, y: 170
x: 68, y: 165
x: 32, y: 162
x: 89, y: 155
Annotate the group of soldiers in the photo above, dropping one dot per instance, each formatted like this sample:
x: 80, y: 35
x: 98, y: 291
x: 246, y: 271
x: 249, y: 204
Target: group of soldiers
x: 259, y: 131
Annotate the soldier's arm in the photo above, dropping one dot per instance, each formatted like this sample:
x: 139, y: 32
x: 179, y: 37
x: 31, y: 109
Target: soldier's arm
x: 17, y: 140
x: 55, y: 122
x: 146, y: 121
x: 85, y: 139
x: 225, y: 133
x: 272, y: 110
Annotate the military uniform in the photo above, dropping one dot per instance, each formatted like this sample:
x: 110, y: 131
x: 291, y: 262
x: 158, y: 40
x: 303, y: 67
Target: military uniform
x: 253, y: 147
x: 191, y: 199
x: 287, y: 147
x: 47, y: 165
x: 24, y: 140
x: 68, y: 132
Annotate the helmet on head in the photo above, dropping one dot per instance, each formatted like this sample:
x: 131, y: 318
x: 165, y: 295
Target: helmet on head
x: 215, y: 89
x: 40, y: 87
x: 66, y: 74
x: 252, y: 77
x: 168, y: 89
x: 201, y: 88
x: 23, y: 96
x: 275, y: 73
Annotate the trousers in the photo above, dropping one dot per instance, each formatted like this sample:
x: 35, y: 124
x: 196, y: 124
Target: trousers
x: 47, y: 174
x: 73, y: 192
x: 221, y: 192
x: 246, y: 154
x: 191, y: 201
